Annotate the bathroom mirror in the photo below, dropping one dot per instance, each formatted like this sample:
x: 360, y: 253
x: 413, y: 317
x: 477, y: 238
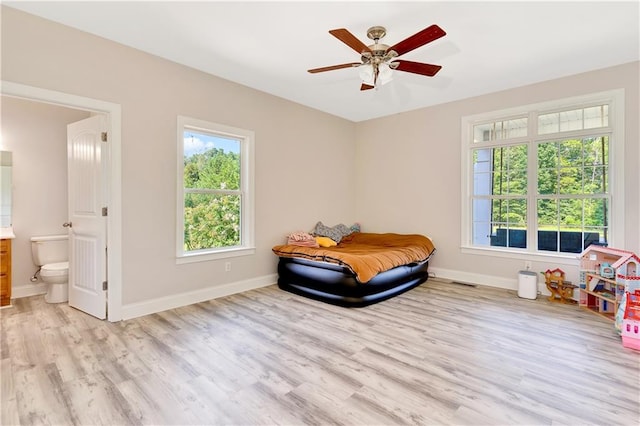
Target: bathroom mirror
x: 5, y: 188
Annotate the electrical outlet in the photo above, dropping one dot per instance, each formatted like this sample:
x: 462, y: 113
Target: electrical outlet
x: 527, y: 265
x: 227, y: 266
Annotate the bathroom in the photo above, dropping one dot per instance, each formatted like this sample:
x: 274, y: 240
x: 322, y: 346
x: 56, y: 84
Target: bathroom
x: 35, y: 134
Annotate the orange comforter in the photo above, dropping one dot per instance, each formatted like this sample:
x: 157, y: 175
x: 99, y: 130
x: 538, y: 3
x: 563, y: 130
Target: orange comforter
x: 366, y: 254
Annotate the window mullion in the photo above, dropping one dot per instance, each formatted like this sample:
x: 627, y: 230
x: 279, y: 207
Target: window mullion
x: 532, y: 182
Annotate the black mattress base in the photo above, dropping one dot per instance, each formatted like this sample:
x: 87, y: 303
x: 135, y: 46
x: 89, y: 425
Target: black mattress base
x: 337, y: 285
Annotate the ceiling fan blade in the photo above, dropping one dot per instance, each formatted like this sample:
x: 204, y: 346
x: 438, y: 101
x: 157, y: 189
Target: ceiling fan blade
x: 350, y: 40
x: 334, y: 67
x: 417, y: 67
x: 421, y: 38
x: 366, y: 87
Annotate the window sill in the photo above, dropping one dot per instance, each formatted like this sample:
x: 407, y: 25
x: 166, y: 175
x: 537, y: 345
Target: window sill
x: 556, y: 258
x: 215, y: 255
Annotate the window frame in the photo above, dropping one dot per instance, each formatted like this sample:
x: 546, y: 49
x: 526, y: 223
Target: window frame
x: 247, y: 185
x: 615, y: 131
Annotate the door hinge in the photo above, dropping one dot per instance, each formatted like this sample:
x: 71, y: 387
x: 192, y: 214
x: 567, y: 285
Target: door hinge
x: 105, y: 211
x: 104, y: 285
x: 104, y: 136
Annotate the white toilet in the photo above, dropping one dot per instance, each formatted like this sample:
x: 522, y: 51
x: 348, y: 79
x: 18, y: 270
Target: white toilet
x: 51, y: 254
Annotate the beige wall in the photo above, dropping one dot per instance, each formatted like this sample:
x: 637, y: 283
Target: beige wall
x: 412, y: 160
x: 36, y: 134
x: 304, y: 158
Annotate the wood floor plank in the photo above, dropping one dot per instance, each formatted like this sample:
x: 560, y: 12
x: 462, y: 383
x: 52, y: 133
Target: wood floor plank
x: 441, y: 353
x: 9, y: 414
x: 40, y: 399
x: 95, y: 399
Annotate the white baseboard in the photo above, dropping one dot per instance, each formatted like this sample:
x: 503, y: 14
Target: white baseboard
x: 20, y: 291
x: 486, y: 280
x: 134, y: 310
x: 148, y: 307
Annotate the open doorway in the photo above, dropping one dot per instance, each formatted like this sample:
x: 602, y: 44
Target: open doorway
x: 112, y: 113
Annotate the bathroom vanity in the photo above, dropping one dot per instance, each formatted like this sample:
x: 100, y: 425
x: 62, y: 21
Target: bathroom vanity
x: 6, y: 231
x: 5, y: 271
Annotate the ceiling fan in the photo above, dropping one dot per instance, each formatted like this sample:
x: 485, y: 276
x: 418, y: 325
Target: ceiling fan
x: 378, y: 60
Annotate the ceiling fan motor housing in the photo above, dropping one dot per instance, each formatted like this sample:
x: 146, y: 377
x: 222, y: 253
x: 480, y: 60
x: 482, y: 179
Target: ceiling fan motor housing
x: 378, y: 53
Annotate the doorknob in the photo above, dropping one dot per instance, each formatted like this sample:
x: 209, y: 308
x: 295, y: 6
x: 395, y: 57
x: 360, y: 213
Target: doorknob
x: 67, y: 225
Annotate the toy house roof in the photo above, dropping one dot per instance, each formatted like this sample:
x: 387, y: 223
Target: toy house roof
x: 631, y: 256
x: 607, y: 250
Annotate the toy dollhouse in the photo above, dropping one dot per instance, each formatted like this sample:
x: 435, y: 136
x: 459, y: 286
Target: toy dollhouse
x: 610, y: 286
x: 605, y: 274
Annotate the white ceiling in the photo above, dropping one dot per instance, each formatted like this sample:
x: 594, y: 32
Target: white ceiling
x: 489, y: 46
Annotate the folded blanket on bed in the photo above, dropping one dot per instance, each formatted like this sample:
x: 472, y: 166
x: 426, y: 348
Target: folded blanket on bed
x: 301, y: 238
x: 366, y: 254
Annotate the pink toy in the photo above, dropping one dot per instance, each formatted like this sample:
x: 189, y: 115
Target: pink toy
x: 631, y: 322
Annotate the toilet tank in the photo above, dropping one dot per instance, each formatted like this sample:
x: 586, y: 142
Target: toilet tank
x: 50, y: 249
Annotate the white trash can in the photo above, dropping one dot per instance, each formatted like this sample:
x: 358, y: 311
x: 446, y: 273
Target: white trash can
x: 527, y: 285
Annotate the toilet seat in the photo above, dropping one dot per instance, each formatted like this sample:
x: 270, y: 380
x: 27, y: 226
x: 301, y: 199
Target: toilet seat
x: 55, y: 269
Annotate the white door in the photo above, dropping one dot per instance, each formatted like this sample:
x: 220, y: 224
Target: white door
x: 86, y: 153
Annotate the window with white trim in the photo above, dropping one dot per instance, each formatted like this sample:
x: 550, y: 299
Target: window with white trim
x: 215, y: 191
x: 539, y: 179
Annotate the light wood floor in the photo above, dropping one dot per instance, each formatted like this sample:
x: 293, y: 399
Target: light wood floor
x: 439, y: 354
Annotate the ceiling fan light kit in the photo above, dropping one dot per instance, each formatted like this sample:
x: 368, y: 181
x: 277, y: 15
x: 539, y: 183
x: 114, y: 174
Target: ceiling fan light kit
x: 378, y: 60
x: 368, y: 74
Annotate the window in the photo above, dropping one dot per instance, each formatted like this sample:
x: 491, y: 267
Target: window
x: 573, y: 197
x: 539, y: 179
x: 215, y: 191
x: 500, y: 195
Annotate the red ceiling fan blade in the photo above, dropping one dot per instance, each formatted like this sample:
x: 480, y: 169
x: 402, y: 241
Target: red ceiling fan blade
x: 366, y: 87
x: 350, y: 40
x: 417, y: 67
x: 425, y: 36
x: 334, y: 67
